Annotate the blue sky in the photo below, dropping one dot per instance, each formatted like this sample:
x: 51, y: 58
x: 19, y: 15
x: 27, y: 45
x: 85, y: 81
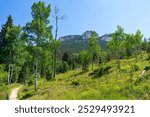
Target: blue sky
x: 103, y: 16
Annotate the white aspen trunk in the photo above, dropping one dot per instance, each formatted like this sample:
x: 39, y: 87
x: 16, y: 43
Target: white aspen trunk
x: 35, y: 77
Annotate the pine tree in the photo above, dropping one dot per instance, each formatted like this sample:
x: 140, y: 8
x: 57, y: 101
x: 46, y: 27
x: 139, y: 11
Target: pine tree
x: 5, y: 42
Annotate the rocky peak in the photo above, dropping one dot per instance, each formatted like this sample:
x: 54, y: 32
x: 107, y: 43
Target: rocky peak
x: 87, y: 35
x: 106, y: 37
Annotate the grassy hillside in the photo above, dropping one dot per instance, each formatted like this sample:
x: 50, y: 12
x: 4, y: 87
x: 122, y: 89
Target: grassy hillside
x: 104, y: 84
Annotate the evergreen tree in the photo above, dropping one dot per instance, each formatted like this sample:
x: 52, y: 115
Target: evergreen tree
x: 65, y: 57
x: 144, y: 44
x: 5, y: 42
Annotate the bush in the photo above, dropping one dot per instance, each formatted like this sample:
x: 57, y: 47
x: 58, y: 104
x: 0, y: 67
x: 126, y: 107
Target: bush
x: 25, y: 89
x: 30, y: 82
x: 135, y: 67
x: 49, y: 75
x: 129, y: 68
x: 75, y: 83
x: 27, y: 95
x: 148, y: 58
x: 63, y: 67
x: 128, y: 90
x: 4, y: 92
x: 3, y: 75
x: 101, y: 71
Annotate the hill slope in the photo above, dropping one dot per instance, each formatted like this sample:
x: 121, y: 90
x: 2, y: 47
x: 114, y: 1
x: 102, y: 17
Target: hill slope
x: 126, y: 84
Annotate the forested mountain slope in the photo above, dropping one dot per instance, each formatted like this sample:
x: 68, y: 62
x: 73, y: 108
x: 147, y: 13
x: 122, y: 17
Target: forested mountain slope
x: 77, y: 43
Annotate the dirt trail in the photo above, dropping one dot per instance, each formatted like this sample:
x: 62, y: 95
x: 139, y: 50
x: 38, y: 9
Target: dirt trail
x: 142, y: 73
x: 14, y: 94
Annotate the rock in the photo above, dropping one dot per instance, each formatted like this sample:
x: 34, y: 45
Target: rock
x: 85, y: 36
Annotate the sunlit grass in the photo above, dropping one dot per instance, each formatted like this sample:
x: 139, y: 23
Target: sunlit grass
x: 74, y: 84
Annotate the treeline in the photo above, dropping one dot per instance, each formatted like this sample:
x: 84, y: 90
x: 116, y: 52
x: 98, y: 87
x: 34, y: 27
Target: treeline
x: 120, y: 46
x: 31, y: 51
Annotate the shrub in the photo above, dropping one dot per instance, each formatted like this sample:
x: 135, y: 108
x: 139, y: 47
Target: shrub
x: 125, y: 68
x: 63, y: 67
x: 27, y: 95
x: 30, y: 82
x: 128, y: 90
x: 75, y: 83
x: 3, y: 75
x: 101, y: 71
x: 25, y: 89
x: 135, y: 67
x: 48, y: 75
x: 148, y: 58
x: 130, y: 68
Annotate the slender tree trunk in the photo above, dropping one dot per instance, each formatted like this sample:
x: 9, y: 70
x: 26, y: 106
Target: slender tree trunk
x: 9, y: 68
x: 54, y: 63
x: 35, y: 77
x: 27, y: 75
x: 92, y: 63
x: 57, y: 17
x: 92, y: 66
x: 36, y: 67
x: 43, y: 71
x: 11, y: 75
x: 55, y: 49
x: 8, y: 77
x: 118, y: 61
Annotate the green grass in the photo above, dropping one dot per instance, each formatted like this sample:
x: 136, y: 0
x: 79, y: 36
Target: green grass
x: 115, y: 85
x: 5, y: 90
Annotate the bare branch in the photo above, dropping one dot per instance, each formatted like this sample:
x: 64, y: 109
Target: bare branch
x: 56, y: 14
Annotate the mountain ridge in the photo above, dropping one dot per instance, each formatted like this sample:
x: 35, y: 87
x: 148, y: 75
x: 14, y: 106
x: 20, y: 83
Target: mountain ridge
x: 85, y: 36
x: 77, y: 43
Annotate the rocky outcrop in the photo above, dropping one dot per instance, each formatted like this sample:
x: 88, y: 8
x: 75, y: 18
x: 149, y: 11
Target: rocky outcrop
x: 70, y: 37
x: 106, y: 37
x: 85, y: 36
